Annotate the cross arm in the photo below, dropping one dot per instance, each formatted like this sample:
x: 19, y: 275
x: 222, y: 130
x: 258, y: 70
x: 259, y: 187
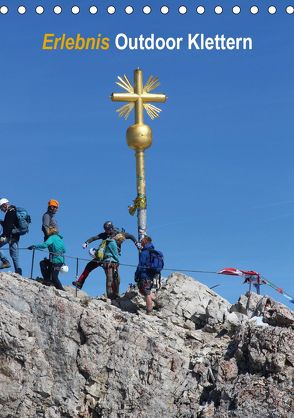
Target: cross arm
x: 124, y: 97
x: 155, y: 97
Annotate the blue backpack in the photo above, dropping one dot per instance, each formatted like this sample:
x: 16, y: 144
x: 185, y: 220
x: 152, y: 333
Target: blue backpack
x: 24, y: 220
x: 156, y: 261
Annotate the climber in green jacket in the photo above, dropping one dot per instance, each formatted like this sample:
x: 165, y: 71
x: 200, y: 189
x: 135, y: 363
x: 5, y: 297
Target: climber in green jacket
x: 50, y: 268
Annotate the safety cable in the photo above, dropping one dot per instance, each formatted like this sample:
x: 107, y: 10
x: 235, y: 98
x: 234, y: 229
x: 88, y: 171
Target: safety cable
x: 121, y: 264
x: 269, y: 283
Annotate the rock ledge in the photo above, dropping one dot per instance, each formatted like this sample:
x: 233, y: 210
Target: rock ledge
x: 63, y: 356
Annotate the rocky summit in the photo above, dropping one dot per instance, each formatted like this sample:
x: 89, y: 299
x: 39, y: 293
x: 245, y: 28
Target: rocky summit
x: 68, y: 356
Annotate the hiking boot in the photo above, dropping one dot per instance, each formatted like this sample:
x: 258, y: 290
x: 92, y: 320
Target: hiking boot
x: 157, y: 305
x: 149, y: 312
x: 77, y: 284
x: 113, y: 297
x: 47, y: 283
x: 43, y: 281
x: 5, y: 265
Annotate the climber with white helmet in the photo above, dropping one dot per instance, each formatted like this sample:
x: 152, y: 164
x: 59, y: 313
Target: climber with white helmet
x: 10, y: 235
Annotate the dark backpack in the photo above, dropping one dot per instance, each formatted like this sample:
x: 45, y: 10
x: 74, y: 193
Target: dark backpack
x: 24, y: 220
x: 156, y: 262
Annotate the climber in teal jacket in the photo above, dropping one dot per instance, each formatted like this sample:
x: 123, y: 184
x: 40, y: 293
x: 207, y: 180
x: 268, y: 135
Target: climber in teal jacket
x: 112, y: 251
x: 110, y: 265
x: 50, y: 268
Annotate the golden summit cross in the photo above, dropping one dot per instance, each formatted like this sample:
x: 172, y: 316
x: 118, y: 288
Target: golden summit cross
x: 139, y: 135
x: 138, y: 96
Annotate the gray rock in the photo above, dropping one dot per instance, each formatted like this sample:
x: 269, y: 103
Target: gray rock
x: 246, y: 304
x: 64, y: 356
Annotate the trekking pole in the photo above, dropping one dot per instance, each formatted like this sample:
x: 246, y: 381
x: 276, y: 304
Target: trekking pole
x: 51, y: 267
x: 33, y: 261
x: 214, y: 286
x: 77, y: 274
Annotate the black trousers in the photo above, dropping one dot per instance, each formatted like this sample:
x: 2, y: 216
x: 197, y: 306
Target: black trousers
x: 50, y: 272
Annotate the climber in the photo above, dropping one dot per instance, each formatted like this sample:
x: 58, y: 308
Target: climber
x: 50, y: 268
x: 10, y: 235
x: 48, y: 218
x: 109, y: 232
x: 107, y: 256
x: 149, y: 268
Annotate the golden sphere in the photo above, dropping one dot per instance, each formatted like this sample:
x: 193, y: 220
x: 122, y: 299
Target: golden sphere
x: 139, y: 136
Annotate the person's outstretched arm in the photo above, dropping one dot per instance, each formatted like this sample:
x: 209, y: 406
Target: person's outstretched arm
x: 102, y: 235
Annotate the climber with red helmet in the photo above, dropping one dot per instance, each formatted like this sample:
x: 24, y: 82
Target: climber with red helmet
x: 48, y: 219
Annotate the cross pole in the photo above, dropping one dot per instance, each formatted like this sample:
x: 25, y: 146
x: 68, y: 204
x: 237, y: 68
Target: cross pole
x: 139, y: 135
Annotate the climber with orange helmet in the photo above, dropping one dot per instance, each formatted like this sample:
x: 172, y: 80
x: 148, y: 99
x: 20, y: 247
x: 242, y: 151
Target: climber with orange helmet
x: 48, y: 219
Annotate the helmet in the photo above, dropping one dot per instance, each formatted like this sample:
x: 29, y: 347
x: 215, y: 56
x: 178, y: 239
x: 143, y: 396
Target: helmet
x: 64, y: 268
x: 53, y: 202
x: 108, y: 225
x: 92, y: 252
x: 3, y: 201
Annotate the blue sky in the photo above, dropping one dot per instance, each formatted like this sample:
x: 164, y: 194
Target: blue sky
x: 220, y: 171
